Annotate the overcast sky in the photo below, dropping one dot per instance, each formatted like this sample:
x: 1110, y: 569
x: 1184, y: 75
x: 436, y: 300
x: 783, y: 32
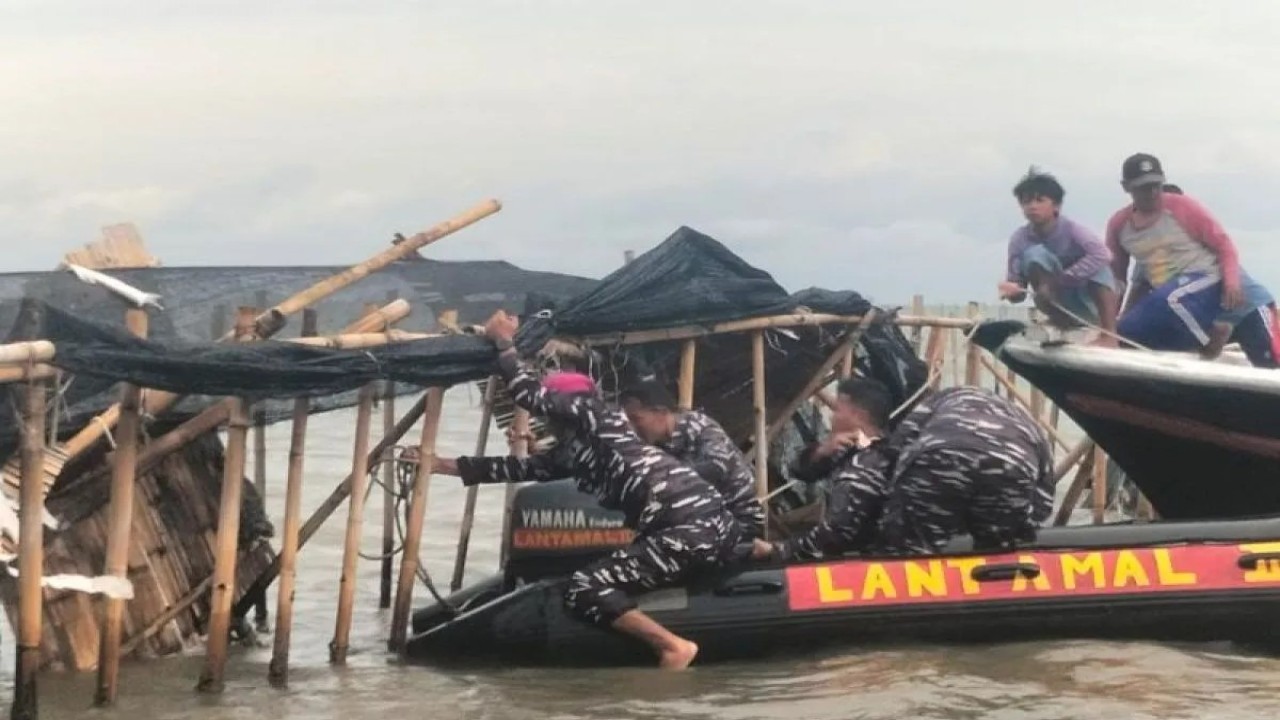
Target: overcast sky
x: 863, y: 145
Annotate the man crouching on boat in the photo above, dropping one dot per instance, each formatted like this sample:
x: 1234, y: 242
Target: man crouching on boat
x: 854, y: 457
x: 695, y: 438
x: 680, y: 520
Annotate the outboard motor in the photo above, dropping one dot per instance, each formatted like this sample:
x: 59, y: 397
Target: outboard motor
x: 556, y: 529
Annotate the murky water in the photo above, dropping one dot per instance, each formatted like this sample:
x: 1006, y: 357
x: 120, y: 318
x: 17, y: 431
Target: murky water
x: 1024, y: 681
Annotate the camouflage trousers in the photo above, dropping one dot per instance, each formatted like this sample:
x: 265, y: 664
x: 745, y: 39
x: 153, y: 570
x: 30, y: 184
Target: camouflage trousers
x: 941, y: 492
x: 600, y: 592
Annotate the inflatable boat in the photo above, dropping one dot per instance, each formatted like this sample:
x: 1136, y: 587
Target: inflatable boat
x: 1202, y: 441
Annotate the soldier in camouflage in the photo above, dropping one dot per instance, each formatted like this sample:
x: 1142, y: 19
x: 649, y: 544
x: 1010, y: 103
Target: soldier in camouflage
x: 967, y: 461
x: 680, y: 520
x: 696, y: 439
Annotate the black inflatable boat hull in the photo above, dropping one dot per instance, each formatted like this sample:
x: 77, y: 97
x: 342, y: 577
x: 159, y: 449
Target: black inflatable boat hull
x: 1174, y: 582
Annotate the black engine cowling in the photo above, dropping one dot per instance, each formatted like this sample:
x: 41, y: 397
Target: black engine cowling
x: 556, y: 529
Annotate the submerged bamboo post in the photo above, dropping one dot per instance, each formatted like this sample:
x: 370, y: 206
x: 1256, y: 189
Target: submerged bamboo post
x: 30, y: 554
x: 387, y: 472
x: 123, y: 475
x: 469, y: 507
x: 355, y: 524
x: 417, y: 517
x: 758, y: 411
x: 688, y: 364
x: 278, y: 669
x: 224, y: 572
x: 972, y: 368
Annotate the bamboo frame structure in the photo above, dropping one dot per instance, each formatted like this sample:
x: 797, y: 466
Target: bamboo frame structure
x: 278, y: 669
x: 30, y: 554
x: 758, y: 412
x: 417, y: 518
x: 387, y: 473
x: 123, y: 476
x: 685, y: 332
x: 688, y: 363
x: 355, y: 523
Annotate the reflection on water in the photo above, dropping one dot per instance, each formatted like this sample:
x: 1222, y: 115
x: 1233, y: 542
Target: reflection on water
x: 1023, y: 681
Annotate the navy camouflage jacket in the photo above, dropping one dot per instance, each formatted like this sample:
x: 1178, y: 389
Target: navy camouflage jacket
x: 700, y: 441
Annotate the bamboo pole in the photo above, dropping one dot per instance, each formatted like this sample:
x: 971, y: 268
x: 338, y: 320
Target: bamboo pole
x: 30, y: 555
x: 848, y: 348
x: 758, y: 410
x: 917, y: 332
x: 935, y: 351
x: 417, y: 518
x: 763, y: 323
x: 22, y: 373
x: 28, y: 351
x: 355, y: 524
x: 224, y: 572
x: 519, y: 448
x: 972, y: 368
x: 334, y: 500
x: 358, y: 341
x: 1076, y: 489
x: 278, y: 669
x: 387, y: 472
x: 260, y: 468
x: 688, y: 364
x: 271, y: 321
x: 1099, y: 486
x: 469, y: 507
x: 123, y: 477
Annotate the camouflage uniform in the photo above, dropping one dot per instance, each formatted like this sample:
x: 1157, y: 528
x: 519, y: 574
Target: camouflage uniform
x: 859, y: 487
x: 970, y: 462
x: 680, y: 519
x: 700, y: 441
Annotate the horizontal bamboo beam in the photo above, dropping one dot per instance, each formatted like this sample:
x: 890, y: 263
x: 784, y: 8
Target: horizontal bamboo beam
x: 33, y: 351
x: 19, y: 373
x: 355, y: 341
x: 763, y: 323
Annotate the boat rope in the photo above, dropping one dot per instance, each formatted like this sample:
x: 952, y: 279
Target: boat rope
x: 1092, y: 326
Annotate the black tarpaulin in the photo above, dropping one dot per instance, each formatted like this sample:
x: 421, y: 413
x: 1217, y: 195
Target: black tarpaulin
x: 689, y: 279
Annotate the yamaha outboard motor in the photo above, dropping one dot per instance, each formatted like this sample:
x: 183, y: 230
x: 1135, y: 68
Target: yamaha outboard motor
x: 556, y: 529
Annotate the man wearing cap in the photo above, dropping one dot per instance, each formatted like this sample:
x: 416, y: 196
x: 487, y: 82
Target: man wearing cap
x: 1187, y: 269
x: 680, y: 520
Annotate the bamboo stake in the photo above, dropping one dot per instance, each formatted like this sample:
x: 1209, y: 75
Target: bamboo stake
x: 30, y: 555
x: 763, y: 323
x: 334, y: 500
x: 417, y: 517
x: 972, y: 369
x: 519, y: 448
x: 260, y: 469
x: 271, y: 321
x: 387, y: 472
x: 123, y: 476
x: 22, y: 373
x: 355, y: 524
x: 688, y: 364
x: 278, y: 669
x: 224, y: 572
x: 388, y: 475
x: 1099, y: 486
x: 758, y: 410
x: 847, y: 348
x: 917, y: 309
x: 1076, y: 489
x: 469, y: 508
x: 935, y: 351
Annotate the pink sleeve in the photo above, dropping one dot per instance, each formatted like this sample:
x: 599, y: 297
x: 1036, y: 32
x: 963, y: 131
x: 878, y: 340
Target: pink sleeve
x: 1203, y: 227
x: 1119, y: 258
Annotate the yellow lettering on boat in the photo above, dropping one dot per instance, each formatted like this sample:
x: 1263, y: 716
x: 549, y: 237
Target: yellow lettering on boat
x: 1266, y: 571
x: 1129, y: 570
x: 1039, y: 582
x: 827, y: 590
x: 1072, y: 566
x: 966, y: 566
x: 1166, y: 573
x: 878, y: 580
x: 919, y: 581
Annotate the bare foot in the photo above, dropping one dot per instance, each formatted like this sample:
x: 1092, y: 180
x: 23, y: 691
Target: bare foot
x: 1105, y: 341
x: 679, y: 657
